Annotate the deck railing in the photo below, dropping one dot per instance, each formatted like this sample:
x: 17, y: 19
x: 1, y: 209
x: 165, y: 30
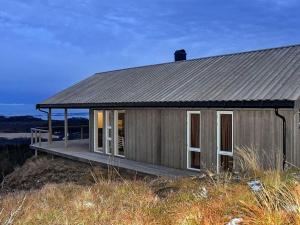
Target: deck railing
x: 41, y: 134
x: 36, y: 135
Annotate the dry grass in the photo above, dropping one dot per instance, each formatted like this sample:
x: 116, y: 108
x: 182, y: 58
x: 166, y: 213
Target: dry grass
x: 113, y: 199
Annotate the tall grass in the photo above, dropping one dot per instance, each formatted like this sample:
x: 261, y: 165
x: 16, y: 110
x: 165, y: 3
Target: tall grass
x: 115, y: 199
x: 278, y: 200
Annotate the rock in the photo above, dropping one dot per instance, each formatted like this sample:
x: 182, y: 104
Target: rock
x: 235, y: 221
x: 202, y: 176
x: 88, y: 204
x: 255, y: 185
x: 203, y: 192
x: 292, y: 208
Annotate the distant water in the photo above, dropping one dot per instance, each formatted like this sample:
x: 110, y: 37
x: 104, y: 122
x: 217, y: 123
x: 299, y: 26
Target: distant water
x: 29, y: 110
x: 18, y: 110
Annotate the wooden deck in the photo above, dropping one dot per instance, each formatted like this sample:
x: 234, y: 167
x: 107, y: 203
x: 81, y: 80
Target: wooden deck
x: 79, y: 150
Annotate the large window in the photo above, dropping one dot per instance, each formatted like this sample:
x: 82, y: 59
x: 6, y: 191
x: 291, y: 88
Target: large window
x: 120, y: 133
x: 225, y: 141
x: 193, y: 140
x: 99, y: 128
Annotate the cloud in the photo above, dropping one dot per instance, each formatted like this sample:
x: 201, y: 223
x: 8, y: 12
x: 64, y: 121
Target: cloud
x: 11, y: 104
x: 44, y: 41
x: 280, y: 3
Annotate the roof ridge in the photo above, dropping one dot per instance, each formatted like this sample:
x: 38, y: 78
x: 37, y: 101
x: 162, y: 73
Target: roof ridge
x: 202, y: 58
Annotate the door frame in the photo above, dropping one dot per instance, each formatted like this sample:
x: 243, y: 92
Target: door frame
x: 107, y: 127
x: 190, y: 149
x: 96, y: 148
x: 219, y: 151
x: 116, y: 135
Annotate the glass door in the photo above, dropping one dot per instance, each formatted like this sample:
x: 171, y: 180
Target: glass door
x: 120, y: 133
x: 109, y: 131
x: 224, y: 141
x: 99, y: 131
x: 193, y: 140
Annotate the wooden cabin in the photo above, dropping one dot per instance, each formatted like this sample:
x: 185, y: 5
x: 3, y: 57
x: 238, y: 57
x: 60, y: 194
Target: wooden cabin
x: 193, y: 114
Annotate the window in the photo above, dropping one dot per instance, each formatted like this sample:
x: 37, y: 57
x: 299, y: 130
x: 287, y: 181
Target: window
x: 99, y: 131
x: 120, y: 133
x: 224, y: 141
x: 193, y: 140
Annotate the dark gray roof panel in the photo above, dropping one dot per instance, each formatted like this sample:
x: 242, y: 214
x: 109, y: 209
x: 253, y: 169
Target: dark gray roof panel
x: 271, y: 74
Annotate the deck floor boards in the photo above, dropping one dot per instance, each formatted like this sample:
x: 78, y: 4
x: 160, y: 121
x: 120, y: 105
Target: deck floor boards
x: 79, y: 150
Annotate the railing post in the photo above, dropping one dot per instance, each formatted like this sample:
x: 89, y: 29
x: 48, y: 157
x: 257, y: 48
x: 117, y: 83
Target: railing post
x: 40, y: 140
x: 66, y: 128
x: 49, y: 126
x: 31, y: 136
x: 35, y: 137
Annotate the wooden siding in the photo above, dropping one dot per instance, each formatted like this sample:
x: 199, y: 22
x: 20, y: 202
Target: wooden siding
x: 173, y: 138
x: 209, y: 139
x: 262, y: 130
x: 142, y: 135
x: 296, y: 152
x: 158, y: 136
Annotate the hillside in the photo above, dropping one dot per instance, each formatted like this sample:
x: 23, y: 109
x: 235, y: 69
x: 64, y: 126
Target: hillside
x: 15, y: 138
x: 59, y: 191
x: 20, y: 124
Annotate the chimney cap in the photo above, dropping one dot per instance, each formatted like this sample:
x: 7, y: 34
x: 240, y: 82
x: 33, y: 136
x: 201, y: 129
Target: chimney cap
x: 180, y: 55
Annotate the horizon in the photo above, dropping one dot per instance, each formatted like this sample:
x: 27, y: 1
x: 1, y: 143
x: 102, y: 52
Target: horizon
x: 48, y: 46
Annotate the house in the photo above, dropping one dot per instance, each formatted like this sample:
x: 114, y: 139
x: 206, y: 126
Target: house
x: 192, y: 114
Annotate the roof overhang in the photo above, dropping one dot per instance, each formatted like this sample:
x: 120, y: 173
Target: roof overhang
x: 186, y: 104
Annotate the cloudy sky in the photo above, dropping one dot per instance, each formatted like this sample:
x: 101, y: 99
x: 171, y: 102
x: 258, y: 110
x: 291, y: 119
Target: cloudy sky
x: 47, y: 45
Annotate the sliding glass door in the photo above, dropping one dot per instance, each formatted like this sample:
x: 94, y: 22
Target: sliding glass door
x: 224, y: 141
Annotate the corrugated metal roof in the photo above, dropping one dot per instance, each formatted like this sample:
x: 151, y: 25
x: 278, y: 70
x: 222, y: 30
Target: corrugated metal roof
x: 262, y: 75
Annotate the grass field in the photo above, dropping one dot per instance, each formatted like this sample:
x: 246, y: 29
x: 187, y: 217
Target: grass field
x: 62, y: 192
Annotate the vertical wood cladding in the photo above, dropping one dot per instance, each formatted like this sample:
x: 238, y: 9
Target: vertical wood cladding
x: 158, y: 136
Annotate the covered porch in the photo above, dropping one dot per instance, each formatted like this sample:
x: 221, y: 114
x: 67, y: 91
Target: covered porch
x: 45, y: 140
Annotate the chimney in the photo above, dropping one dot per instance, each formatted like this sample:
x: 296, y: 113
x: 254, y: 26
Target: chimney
x: 180, y: 55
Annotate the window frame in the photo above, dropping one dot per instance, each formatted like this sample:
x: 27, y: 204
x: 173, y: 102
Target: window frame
x: 219, y: 151
x: 188, y: 138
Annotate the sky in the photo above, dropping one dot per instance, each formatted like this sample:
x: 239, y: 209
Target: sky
x: 46, y: 46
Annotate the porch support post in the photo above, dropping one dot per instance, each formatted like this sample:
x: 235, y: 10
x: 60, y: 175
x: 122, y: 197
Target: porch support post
x: 66, y: 128
x: 50, y: 126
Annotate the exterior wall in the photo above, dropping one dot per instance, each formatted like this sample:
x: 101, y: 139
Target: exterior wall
x: 142, y: 135
x: 158, y: 136
x: 262, y: 129
x: 173, y: 138
x: 208, y: 138
x: 296, y: 152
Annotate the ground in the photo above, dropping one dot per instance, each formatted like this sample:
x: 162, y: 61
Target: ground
x: 59, y: 191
